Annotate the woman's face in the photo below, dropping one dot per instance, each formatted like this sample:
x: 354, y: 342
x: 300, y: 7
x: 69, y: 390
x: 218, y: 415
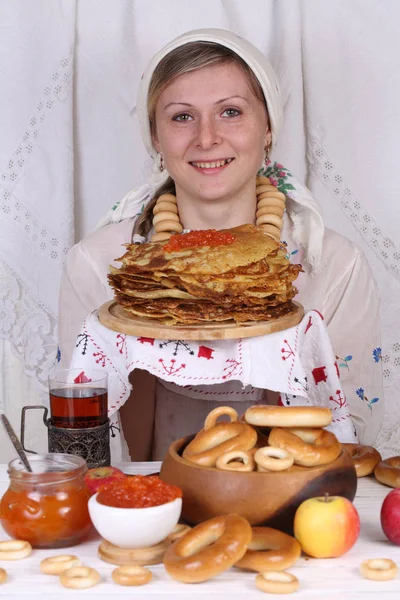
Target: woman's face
x: 211, y: 130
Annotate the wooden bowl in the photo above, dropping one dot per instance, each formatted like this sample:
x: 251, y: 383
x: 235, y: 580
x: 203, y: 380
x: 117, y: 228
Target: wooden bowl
x: 262, y: 498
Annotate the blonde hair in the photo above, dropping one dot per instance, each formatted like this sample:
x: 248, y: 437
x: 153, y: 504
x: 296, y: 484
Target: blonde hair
x: 186, y: 58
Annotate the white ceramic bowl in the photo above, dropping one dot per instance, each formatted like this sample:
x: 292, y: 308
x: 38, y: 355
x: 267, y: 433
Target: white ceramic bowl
x: 134, y: 527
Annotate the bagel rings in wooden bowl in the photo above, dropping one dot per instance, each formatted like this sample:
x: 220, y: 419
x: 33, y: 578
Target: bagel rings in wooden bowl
x: 263, y: 498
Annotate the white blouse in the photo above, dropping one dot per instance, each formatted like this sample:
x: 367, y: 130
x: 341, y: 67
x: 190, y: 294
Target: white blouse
x: 342, y: 289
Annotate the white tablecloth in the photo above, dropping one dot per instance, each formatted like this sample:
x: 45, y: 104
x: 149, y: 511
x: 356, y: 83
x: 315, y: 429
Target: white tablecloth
x: 325, y: 579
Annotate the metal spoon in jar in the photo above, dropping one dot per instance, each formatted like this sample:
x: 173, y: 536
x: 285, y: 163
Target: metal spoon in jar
x: 16, y: 443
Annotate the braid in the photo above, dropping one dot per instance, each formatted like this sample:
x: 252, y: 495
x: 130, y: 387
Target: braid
x: 144, y: 222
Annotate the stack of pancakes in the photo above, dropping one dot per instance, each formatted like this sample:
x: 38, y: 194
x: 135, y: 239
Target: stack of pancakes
x: 249, y: 279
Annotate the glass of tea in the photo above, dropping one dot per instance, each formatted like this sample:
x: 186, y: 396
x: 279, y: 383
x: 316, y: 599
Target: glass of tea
x: 78, y: 398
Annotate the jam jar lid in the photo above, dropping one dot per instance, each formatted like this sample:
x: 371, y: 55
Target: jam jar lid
x: 51, y: 467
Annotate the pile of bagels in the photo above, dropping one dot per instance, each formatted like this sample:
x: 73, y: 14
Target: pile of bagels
x: 276, y: 438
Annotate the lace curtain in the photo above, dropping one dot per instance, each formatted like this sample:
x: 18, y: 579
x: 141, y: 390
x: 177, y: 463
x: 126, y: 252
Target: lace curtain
x: 71, y: 147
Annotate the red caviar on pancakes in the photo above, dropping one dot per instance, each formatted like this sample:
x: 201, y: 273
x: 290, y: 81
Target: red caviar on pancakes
x: 207, y: 237
x: 138, y: 491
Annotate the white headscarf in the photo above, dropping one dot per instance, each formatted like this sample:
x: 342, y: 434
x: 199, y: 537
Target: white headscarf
x: 304, y: 211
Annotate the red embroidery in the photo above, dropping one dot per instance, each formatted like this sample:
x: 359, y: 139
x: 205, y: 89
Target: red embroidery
x: 205, y: 352
x: 287, y: 352
x: 146, y: 340
x: 337, y: 369
x: 231, y: 368
x: 319, y: 375
x: 340, y: 400
x: 309, y: 324
x: 100, y: 358
x: 171, y: 369
x: 121, y: 343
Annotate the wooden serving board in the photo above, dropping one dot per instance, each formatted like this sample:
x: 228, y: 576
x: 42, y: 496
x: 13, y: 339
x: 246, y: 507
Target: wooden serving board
x: 114, y: 317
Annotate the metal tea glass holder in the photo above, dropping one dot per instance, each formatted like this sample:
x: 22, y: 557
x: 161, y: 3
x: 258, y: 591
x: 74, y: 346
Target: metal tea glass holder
x: 91, y: 443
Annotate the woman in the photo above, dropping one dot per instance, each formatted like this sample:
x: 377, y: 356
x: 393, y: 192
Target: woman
x: 210, y: 111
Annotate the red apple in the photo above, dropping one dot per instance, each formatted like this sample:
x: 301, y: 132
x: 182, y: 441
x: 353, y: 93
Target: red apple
x: 390, y: 516
x: 99, y: 476
x: 326, y: 527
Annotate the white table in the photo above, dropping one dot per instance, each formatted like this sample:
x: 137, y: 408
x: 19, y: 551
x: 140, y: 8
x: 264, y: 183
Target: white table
x: 321, y: 579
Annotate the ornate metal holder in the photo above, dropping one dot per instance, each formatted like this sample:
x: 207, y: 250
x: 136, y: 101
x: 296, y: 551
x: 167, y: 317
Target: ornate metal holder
x: 91, y: 443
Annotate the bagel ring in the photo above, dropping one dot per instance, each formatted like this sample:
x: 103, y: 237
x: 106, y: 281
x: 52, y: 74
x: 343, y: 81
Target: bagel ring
x: 14, y: 549
x: 165, y: 216
x: 54, y: 565
x: 168, y: 225
x: 161, y: 236
x: 270, y: 219
x: 167, y: 198
x: 272, y: 194
x: 79, y: 578
x: 310, y: 447
x: 244, y: 461
x: 269, y: 458
x: 270, y: 549
x: 272, y: 231
x: 3, y: 575
x: 208, y: 549
x: 165, y: 207
x: 265, y: 187
x: 131, y: 575
x: 209, y: 444
x: 365, y: 458
x: 262, y: 415
x: 270, y: 210
x: 277, y: 582
x: 388, y: 471
x: 179, y: 530
x: 267, y: 201
x: 153, y: 555
x: 212, y: 416
x: 261, y: 180
x: 378, y: 569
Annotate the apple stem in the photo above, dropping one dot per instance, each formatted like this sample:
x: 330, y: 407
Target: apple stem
x: 326, y: 496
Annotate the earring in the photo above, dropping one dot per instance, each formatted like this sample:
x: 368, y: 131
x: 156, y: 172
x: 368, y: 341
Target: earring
x: 267, y: 150
x: 160, y: 161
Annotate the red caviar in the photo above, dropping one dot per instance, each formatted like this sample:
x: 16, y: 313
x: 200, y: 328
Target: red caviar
x: 206, y: 237
x: 138, y: 491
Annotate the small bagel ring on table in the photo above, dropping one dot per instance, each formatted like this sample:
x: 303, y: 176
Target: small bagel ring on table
x: 277, y: 582
x: 131, y: 575
x: 79, y: 578
x: 269, y: 458
x: 236, y: 460
x: 388, y: 471
x: 365, y: 458
x: 310, y: 447
x: 3, y: 575
x: 209, y: 444
x: 14, y: 549
x: 378, y: 569
x: 208, y: 549
x: 270, y: 549
x: 54, y: 565
x: 262, y: 415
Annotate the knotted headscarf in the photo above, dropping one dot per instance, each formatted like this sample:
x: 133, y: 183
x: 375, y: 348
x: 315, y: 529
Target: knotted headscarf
x: 302, y: 208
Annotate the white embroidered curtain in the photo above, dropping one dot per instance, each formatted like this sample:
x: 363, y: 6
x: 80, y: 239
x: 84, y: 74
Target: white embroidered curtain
x: 70, y: 145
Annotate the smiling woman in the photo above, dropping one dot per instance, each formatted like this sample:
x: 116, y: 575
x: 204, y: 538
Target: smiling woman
x: 209, y: 109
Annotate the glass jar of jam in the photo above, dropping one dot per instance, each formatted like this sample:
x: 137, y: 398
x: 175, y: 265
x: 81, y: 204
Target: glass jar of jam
x: 48, y: 507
